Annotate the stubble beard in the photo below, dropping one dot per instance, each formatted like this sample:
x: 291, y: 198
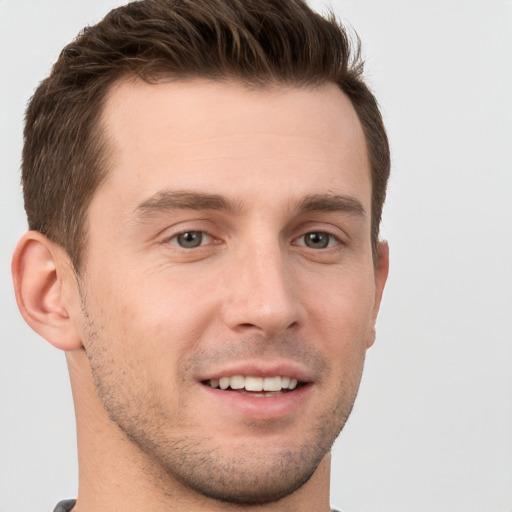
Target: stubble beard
x: 251, y: 477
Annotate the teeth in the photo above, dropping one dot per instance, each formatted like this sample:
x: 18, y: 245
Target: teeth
x: 237, y: 382
x: 254, y: 383
x: 272, y: 383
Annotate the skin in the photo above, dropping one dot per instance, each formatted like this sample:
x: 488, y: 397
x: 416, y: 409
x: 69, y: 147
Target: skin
x: 257, y: 174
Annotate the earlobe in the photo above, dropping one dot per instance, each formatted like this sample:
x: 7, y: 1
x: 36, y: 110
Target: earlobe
x: 40, y: 273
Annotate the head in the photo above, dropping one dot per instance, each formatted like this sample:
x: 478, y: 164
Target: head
x: 259, y: 44
x: 212, y: 175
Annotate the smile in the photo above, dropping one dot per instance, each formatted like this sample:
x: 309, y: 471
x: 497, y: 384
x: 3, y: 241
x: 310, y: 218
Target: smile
x: 271, y: 395
x: 252, y: 384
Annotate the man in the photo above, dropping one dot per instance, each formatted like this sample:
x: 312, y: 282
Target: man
x: 204, y: 184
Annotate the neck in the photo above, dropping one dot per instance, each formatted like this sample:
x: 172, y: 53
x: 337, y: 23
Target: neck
x: 115, y: 474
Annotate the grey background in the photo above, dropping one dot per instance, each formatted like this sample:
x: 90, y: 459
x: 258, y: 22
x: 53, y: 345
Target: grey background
x: 432, y: 427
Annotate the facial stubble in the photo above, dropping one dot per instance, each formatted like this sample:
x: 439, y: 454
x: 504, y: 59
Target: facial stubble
x: 175, y: 454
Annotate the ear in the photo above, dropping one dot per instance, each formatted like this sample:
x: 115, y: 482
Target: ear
x: 381, y: 270
x: 46, y: 289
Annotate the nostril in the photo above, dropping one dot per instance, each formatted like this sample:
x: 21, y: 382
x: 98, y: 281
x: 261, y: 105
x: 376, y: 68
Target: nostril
x: 247, y: 325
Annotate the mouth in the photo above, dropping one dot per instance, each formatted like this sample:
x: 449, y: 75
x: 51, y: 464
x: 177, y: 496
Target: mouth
x: 255, y: 386
x: 257, y: 393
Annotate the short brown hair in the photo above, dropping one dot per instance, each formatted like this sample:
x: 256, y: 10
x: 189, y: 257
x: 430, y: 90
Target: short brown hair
x: 257, y: 42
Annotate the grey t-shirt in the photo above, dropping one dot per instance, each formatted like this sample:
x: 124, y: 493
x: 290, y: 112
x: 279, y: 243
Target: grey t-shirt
x: 67, y: 505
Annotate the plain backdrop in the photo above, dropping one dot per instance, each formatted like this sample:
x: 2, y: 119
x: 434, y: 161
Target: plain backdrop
x: 432, y: 427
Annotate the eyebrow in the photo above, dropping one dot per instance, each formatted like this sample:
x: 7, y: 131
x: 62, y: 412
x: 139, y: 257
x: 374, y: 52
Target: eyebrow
x: 184, y: 200
x: 331, y: 203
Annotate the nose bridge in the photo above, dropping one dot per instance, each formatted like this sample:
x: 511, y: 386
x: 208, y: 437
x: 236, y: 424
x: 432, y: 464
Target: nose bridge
x: 261, y: 290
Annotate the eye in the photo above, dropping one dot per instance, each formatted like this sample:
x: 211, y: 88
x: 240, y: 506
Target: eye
x: 190, y: 239
x: 318, y: 240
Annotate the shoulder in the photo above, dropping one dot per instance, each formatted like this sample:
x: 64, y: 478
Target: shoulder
x: 64, y: 506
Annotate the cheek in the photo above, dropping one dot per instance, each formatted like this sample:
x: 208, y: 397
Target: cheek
x: 135, y: 345
x: 341, y: 320
x: 344, y: 304
x: 153, y: 319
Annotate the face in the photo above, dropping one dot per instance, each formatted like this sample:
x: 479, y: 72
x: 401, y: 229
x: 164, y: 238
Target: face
x: 229, y: 292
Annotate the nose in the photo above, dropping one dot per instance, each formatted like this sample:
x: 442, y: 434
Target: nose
x: 261, y: 294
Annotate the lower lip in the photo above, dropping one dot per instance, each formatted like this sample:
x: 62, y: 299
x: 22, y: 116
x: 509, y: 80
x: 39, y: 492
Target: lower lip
x: 260, y: 408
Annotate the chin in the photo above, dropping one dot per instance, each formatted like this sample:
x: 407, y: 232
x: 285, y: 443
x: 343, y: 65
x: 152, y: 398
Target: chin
x: 250, y: 478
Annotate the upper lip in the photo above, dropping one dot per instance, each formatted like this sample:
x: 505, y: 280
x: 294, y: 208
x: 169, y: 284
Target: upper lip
x: 258, y: 369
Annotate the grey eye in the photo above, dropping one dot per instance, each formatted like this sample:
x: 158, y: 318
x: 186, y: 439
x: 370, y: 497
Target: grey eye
x: 189, y: 239
x: 317, y: 240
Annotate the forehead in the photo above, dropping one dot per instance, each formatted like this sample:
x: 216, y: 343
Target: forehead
x: 226, y: 137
